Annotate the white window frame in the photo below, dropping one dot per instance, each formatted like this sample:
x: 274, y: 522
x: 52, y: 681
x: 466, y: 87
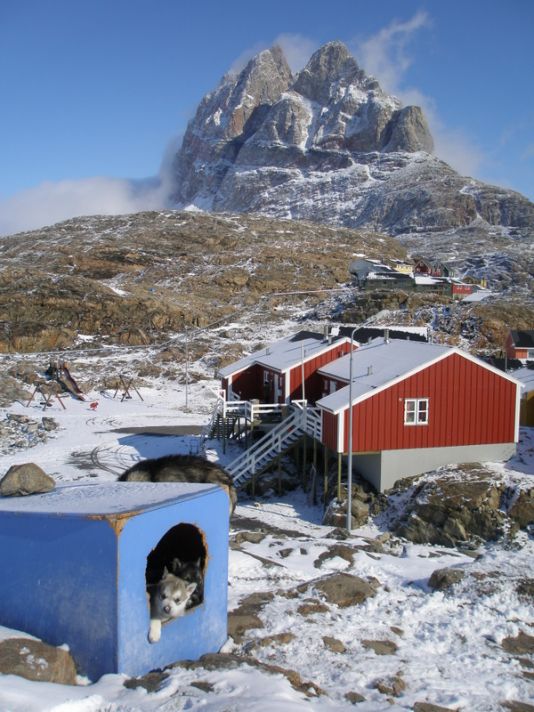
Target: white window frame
x: 416, y: 411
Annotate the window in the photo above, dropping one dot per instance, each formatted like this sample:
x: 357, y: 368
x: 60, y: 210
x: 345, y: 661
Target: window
x: 416, y: 411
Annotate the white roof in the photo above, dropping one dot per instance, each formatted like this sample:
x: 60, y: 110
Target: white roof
x: 424, y: 279
x: 380, y: 364
x: 106, y: 499
x: 285, y: 353
x: 526, y: 377
x: 478, y: 296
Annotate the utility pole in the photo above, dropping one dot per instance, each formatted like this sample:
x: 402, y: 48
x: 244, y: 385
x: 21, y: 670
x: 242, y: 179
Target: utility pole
x: 186, y: 369
x: 349, y: 463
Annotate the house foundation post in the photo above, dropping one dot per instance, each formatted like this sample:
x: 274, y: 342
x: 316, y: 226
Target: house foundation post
x: 304, y: 462
x: 339, y: 465
x: 325, y: 474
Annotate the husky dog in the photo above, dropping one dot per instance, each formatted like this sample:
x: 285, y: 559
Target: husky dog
x: 191, y: 572
x: 181, y: 468
x: 168, y: 600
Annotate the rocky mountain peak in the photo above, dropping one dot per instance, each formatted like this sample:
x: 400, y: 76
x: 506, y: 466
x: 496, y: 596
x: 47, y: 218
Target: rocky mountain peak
x: 264, y: 78
x: 328, y: 145
x: 223, y: 121
x: 329, y: 65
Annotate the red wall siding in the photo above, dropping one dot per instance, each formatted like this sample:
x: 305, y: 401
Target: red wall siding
x: 326, y: 381
x: 249, y: 383
x: 329, y: 436
x: 469, y: 405
x: 313, y: 381
x: 462, y: 289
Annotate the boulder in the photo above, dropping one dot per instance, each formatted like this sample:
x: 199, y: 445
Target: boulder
x: 333, y: 644
x: 380, y: 647
x: 522, y: 510
x: 345, y: 590
x: 522, y: 644
x: 35, y: 660
x: 392, y: 686
x: 443, y: 579
x: 429, y: 707
x: 25, y: 479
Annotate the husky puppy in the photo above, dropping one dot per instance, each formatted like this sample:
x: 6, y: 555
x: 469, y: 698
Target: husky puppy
x: 191, y: 572
x: 168, y: 600
x: 181, y: 468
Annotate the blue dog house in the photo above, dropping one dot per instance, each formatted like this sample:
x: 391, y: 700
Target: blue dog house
x: 76, y: 561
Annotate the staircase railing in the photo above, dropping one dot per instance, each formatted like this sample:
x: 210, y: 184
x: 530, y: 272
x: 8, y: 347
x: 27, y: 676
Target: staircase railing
x: 264, y: 450
x: 312, y: 422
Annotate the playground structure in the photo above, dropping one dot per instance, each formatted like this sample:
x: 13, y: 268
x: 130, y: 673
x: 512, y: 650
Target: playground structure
x: 59, y: 371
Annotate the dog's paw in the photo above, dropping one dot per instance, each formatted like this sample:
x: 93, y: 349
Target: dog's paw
x: 154, y: 633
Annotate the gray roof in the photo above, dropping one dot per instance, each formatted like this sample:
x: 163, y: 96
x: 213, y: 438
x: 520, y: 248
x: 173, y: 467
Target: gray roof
x: 283, y: 354
x: 375, y: 365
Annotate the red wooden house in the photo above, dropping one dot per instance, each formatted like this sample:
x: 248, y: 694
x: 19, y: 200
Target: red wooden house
x: 520, y: 345
x: 415, y: 407
x: 275, y: 374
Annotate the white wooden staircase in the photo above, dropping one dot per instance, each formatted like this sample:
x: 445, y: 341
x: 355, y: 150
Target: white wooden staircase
x: 262, y: 453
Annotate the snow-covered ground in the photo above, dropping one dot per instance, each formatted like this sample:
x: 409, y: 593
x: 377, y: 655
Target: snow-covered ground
x: 447, y: 646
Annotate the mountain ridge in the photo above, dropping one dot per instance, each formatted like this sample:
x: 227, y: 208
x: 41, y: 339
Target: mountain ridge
x: 328, y: 145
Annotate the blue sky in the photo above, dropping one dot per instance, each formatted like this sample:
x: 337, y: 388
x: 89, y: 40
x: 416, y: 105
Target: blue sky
x: 94, y: 94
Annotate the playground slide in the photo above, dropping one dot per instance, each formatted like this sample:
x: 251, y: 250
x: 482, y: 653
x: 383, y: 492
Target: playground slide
x: 68, y: 382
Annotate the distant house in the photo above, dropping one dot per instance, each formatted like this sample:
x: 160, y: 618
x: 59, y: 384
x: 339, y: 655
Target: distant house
x: 362, y: 267
x: 424, y: 276
x: 432, y: 268
x: 402, y: 266
x: 389, y: 279
x: 520, y: 345
x: 526, y: 378
x: 443, y: 285
x: 275, y: 374
x: 363, y: 334
x: 415, y: 407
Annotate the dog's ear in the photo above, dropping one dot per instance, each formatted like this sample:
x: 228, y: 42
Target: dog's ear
x: 176, y: 564
x: 190, y: 588
x: 165, y: 572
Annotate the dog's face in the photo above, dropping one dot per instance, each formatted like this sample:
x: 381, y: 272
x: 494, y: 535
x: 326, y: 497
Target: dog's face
x: 172, y: 595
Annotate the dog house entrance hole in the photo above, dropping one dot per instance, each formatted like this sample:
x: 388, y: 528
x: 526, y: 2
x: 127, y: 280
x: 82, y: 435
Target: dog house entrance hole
x: 182, y: 551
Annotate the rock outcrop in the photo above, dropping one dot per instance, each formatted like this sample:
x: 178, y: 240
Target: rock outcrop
x: 462, y: 507
x: 35, y: 660
x: 132, y: 279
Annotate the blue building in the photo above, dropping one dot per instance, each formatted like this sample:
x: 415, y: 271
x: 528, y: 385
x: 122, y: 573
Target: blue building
x: 78, y: 559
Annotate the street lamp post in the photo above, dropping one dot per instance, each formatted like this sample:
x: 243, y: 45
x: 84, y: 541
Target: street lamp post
x: 186, y: 369
x: 349, y: 463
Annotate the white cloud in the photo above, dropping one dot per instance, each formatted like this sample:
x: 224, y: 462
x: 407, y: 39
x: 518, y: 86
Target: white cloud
x: 386, y: 55
x: 49, y: 202
x: 297, y: 49
x: 52, y: 202
x: 244, y: 58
